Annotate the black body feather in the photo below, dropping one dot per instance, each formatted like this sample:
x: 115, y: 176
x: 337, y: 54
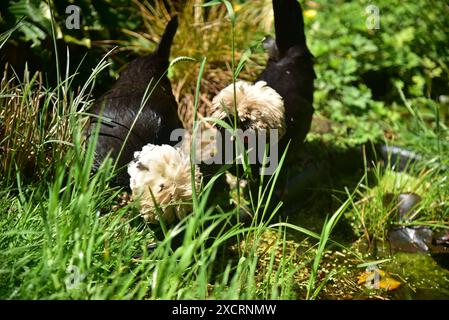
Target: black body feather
x: 119, y: 107
x: 289, y: 69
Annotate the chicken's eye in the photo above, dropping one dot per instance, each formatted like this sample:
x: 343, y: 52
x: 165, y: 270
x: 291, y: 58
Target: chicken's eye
x: 245, y: 124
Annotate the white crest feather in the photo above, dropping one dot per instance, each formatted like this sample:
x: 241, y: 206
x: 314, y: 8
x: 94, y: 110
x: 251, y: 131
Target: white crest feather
x: 165, y: 171
x: 258, y: 104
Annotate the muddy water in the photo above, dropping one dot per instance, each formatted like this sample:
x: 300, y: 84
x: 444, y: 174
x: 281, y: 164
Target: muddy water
x: 421, y: 276
x: 318, y: 192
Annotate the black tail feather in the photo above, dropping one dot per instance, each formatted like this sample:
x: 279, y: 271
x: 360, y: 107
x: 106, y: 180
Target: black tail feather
x: 164, y: 47
x: 289, y: 24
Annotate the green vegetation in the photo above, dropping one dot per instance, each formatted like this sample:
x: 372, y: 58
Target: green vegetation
x: 62, y: 234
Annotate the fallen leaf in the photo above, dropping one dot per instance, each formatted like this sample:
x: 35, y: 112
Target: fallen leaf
x: 368, y: 278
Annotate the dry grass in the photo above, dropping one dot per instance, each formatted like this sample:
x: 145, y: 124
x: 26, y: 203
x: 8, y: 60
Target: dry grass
x: 206, y: 32
x: 34, y: 127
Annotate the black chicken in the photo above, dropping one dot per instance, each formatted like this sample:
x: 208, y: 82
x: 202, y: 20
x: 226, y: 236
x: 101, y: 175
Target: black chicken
x: 119, y: 107
x: 289, y: 69
x: 289, y: 74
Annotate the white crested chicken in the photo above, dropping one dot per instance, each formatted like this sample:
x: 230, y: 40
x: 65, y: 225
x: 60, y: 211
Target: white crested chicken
x: 118, y: 109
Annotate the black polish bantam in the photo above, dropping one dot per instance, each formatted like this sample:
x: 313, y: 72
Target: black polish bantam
x: 119, y: 107
x: 290, y: 71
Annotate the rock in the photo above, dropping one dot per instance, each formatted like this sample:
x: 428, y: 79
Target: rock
x: 410, y: 239
x: 405, y: 204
